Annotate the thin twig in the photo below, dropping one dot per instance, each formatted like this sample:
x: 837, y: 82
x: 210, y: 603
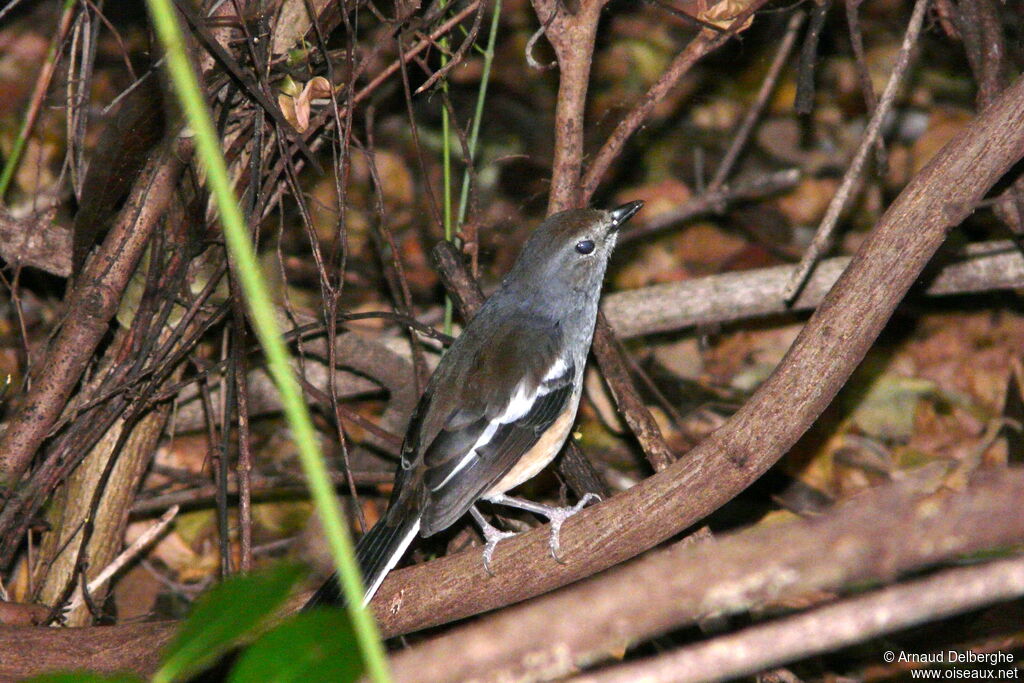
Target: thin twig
x: 42, y: 84
x: 863, y: 74
x: 714, y: 201
x: 742, y: 133
x: 273, y: 189
x: 126, y: 556
x: 216, y: 457
x: 261, y: 488
x: 823, y: 237
x: 707, y: 41
x: 239, y: 374
x: 804, y: 100
x: 457, y: 57
x: 614, y: 364
x: 532, y: 43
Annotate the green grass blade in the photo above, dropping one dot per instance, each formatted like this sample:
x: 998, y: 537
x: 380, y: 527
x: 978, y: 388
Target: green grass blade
x: 481, y: 97
x: 258, y: 299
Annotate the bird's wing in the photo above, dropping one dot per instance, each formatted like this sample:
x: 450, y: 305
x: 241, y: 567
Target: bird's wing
x: 496, y: 413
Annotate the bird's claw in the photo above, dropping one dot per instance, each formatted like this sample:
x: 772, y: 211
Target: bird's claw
x: 558, y: 516
x: 491, y: 538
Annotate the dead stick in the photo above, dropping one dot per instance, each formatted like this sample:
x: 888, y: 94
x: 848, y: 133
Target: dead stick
x: 757, y: 293
x: 742, y: 134
x: 611, y: 357
x: 707, y: 41
x: 126, y: 556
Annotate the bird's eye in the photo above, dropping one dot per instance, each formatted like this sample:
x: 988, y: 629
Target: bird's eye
x: 585, y: 247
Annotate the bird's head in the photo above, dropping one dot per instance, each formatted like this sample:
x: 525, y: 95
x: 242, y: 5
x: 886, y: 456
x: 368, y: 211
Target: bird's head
x: 569, y: 251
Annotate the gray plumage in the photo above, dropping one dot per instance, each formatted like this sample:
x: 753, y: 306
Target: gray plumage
x: 489, y: 415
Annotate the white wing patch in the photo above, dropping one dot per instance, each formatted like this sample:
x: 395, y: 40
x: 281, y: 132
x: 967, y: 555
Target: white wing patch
x: 519, y: 405
x: 521, y: 402
x: 484, y: 439
x: 556, y: 371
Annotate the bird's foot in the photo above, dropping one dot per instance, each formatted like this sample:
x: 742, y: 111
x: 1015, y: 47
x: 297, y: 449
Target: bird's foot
x: 558, y: 515
x: 491, y: 537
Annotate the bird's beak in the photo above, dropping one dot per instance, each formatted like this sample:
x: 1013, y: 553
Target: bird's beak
x: 623, y: 213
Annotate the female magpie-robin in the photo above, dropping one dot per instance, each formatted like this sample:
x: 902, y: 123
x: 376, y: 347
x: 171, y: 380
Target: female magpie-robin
x: 502, y: 401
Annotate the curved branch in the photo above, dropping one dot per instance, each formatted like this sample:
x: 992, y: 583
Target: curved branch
x: 820, y: 361
x: 822, y: 358
x: 873, y: 537
x: 849, y: 622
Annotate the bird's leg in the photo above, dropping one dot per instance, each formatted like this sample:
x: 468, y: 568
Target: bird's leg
x: 556, y: 515
x: 491, y: 536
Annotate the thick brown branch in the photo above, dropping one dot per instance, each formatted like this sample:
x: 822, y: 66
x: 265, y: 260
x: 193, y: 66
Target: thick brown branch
x: 32, y: 651
x: 91, y: 306
x: 884, y: 532
x: 874, y: 537
x: 831, y: 345
x: 849, y: 622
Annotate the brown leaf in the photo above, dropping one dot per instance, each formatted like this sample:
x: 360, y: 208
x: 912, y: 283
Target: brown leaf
x: 296, y: 109
x: 722, y: 14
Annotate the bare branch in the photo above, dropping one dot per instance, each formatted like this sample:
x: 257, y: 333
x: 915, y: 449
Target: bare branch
x: 93, y: 304
x: 739, y: 139
x: 873, y: 537
x: 707, y: 41
x: 757, y: 293
x: 829, y: 628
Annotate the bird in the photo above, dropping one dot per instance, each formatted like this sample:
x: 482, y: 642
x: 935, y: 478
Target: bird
x: 503, y: 399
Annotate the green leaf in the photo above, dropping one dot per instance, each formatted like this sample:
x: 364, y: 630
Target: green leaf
x: 319, y: 645
x: 84, y: 677
x: 223, y: 617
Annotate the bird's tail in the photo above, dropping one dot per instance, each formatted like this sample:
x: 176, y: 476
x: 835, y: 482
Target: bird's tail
x: 378, y: 551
